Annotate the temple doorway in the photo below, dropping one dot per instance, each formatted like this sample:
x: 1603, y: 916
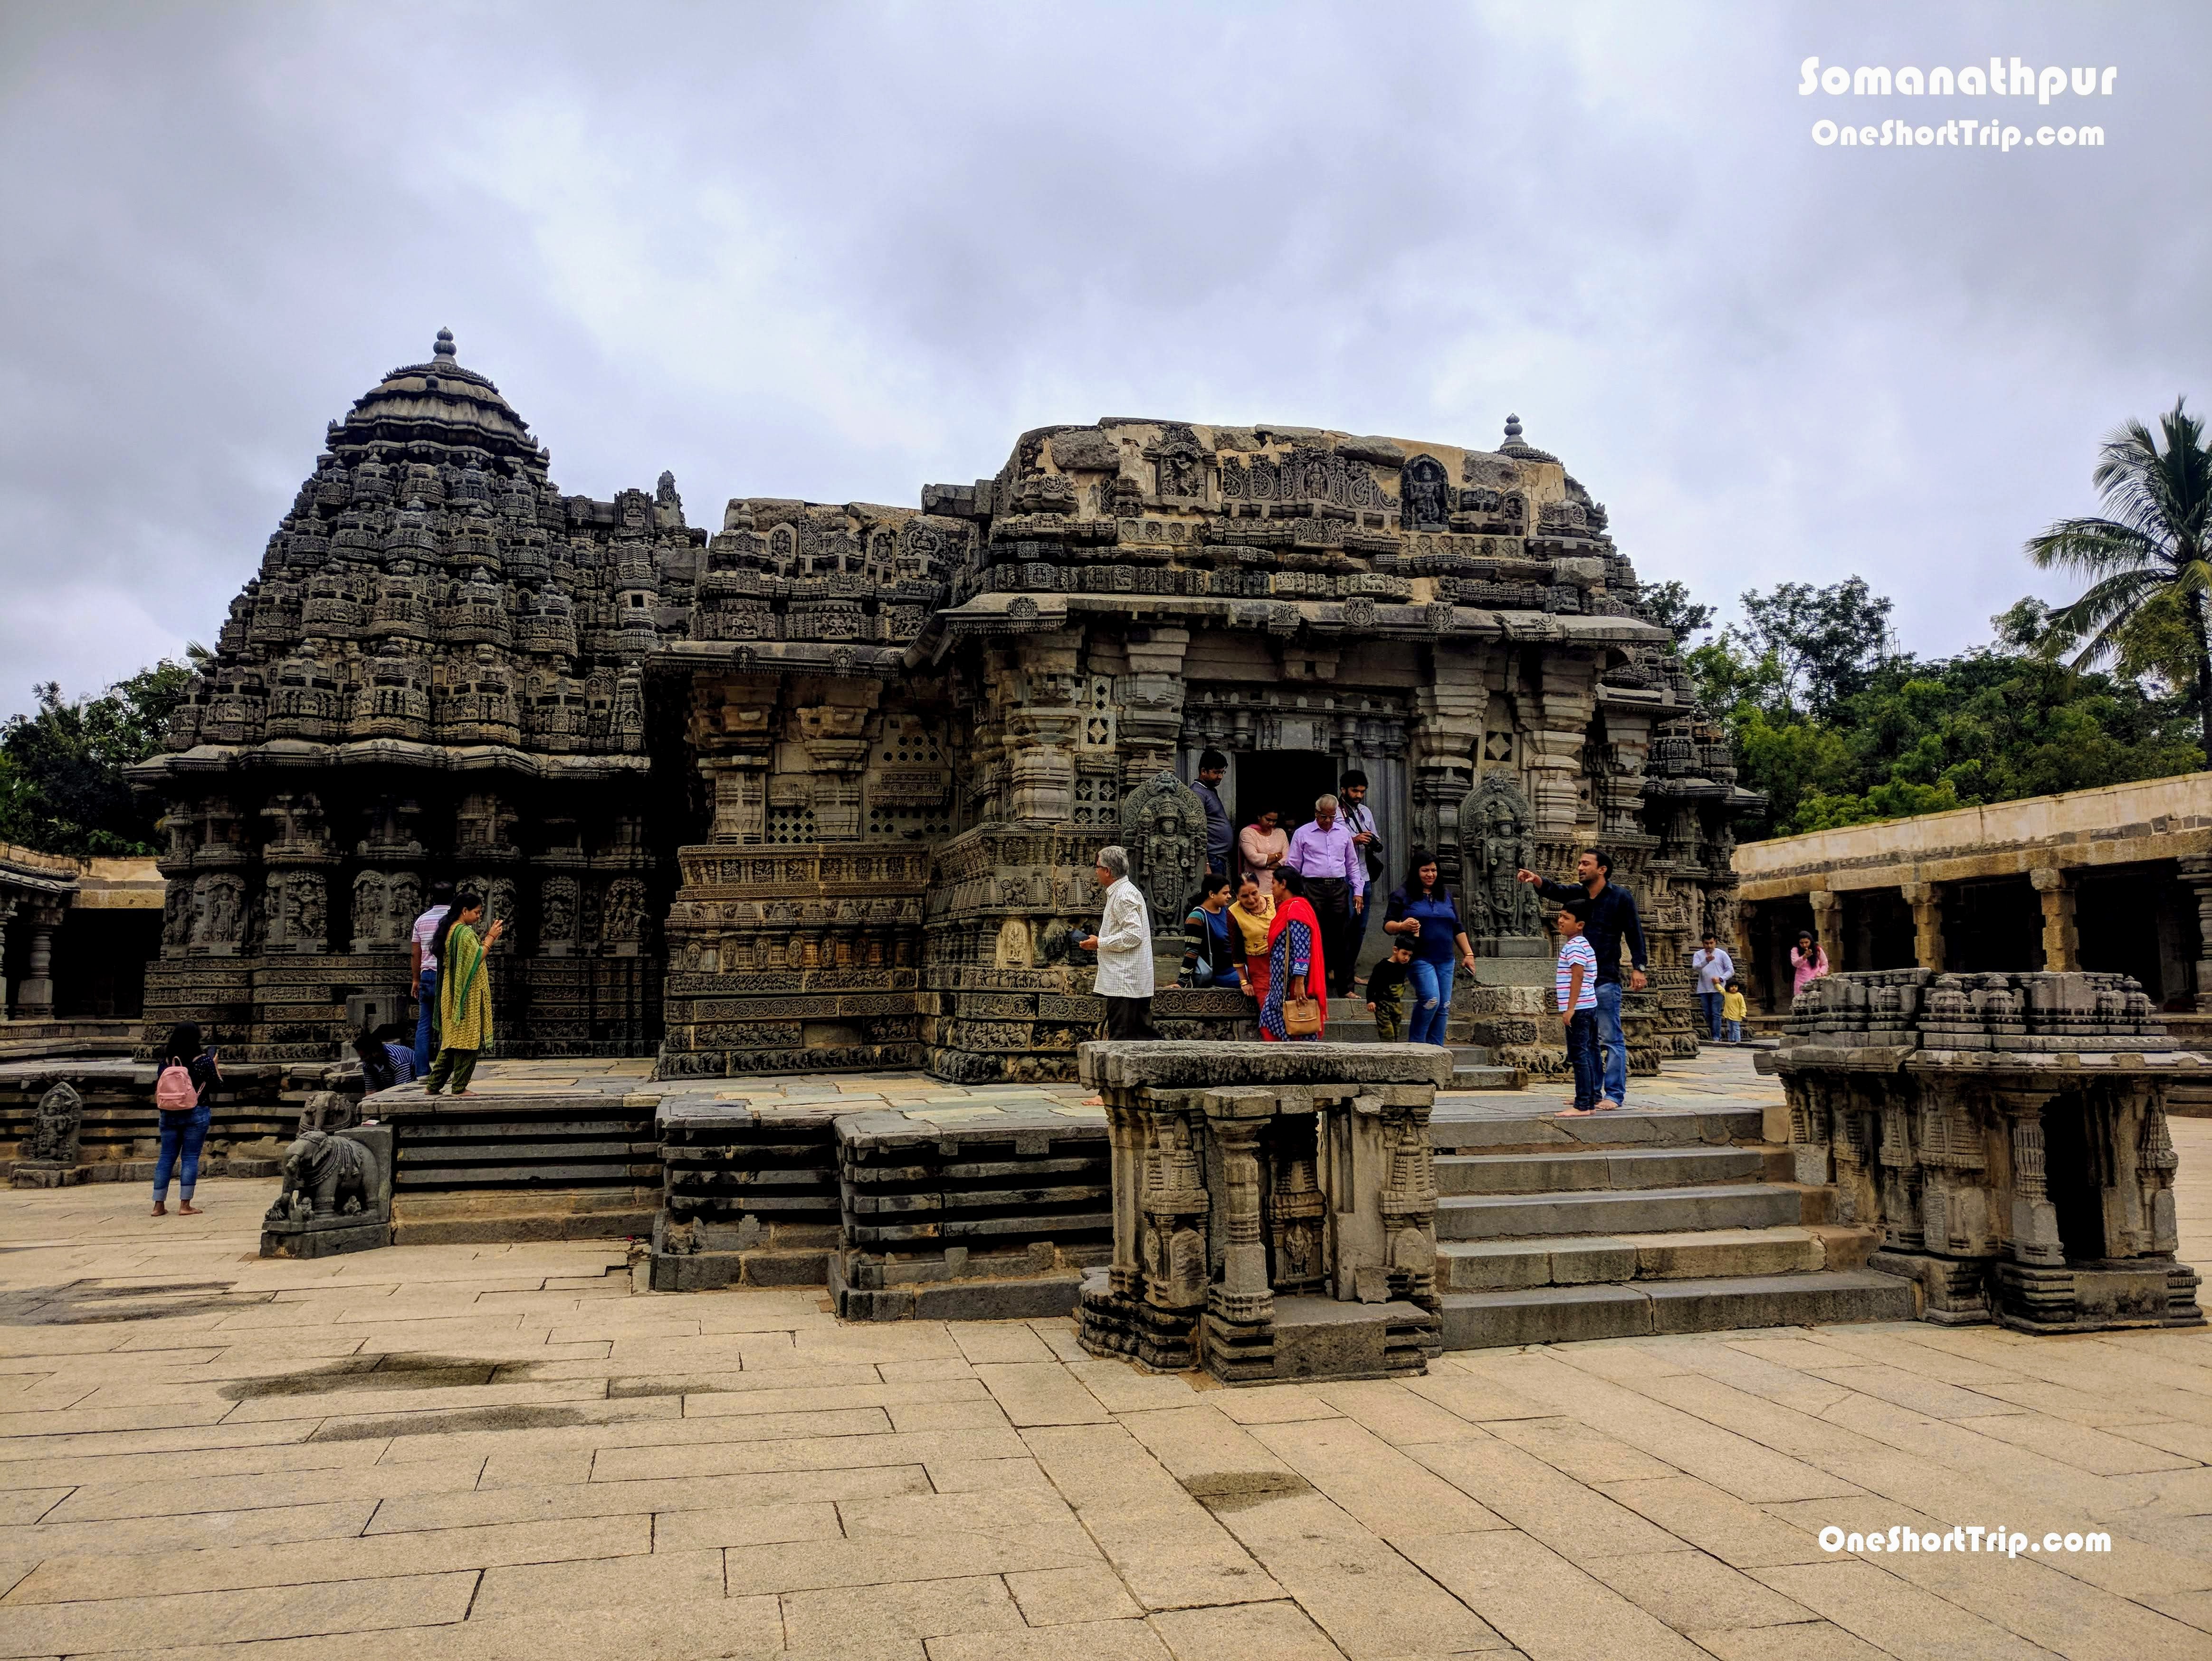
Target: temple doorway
x: 1287, y: 781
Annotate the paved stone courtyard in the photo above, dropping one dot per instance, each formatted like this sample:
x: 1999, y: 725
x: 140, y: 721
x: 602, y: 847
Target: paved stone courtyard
x: 496, y: 1451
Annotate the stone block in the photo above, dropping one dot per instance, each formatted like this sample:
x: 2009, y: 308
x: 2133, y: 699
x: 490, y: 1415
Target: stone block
x: 1491, y: 1320
x: 1128, y: 1066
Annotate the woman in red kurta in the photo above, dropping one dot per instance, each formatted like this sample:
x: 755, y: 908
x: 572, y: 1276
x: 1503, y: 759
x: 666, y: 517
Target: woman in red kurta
x: 1295, y: 968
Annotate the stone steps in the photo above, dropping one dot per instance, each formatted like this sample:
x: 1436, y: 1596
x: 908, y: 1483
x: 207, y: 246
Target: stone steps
x: 1607, y: 1169
x: 1637, y: 1211
x: 1489, y: 1133
x: 1553, y: 1314
x: 1472, y: 1068
x: 1509, y: 1265
x: 1633, y: 1224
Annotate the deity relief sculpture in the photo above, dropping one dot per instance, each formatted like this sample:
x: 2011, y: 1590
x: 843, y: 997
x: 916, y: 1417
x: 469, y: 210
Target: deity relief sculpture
x: 1494, y: 847
x: 60, y: 1123
x: 1164, y: 828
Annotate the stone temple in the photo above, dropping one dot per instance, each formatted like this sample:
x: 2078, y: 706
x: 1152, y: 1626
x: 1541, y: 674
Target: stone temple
x: 821, y: 790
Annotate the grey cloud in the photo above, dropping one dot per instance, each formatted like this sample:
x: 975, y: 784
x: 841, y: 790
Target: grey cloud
x: 839, y: 250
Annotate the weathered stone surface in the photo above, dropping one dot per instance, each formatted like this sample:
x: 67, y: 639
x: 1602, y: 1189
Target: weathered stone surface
x: 1234, y: 1197
x: 823, y: 790
x: 1178, y: 1067
x: 2007, y: 1135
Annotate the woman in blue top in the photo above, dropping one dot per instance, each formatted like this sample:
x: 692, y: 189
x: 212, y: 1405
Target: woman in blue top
x: 1425, y: 912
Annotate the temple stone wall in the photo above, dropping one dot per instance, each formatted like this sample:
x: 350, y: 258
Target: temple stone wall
x: 831, y: 782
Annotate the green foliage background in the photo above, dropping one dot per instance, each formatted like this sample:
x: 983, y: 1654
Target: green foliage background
x: 1839, y: 728
x: 62, y: 789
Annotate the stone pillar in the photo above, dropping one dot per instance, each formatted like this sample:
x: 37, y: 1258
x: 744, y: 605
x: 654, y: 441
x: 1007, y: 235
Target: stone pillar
x: 1151, y: 696
x: 1926, y: 899
x: 2062, y: 944
x: 1555, y: 746
x: 1447, y: 727
x: 1234, y: 1118
x: 2034, y: 1219
x: 7, y: 915
x: 2197, y: 873
x: 34, y: 992
x: 1828, y: 928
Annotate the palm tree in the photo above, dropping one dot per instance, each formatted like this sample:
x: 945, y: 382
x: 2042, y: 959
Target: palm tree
x: 2157, y: 544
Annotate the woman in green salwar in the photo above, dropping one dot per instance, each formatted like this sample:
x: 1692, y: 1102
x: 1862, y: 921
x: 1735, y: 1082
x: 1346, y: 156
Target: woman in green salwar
x: 464, y: 992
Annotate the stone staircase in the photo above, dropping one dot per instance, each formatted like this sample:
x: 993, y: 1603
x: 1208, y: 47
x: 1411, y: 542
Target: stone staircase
x: 1472, y: 1067
x: 1630, y: 1225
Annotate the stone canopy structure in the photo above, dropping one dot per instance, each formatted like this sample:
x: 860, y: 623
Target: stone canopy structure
x: 822, y: 791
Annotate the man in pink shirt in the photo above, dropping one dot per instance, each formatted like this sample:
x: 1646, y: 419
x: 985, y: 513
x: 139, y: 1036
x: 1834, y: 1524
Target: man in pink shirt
x: 1325, y: 854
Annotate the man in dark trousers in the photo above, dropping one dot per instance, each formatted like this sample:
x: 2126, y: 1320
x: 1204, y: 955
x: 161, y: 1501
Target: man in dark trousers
x: 1611, y: 919
x: 1213, y: 768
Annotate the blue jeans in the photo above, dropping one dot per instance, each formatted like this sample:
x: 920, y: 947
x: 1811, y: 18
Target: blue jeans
x: 425, y: 1023
x: 1432, y: 992
x: 1582, y: 1054
x: 1712, y: 1001
x: 181, y: 1135
x: 1731, y: 1032
x: 1612, y: 1041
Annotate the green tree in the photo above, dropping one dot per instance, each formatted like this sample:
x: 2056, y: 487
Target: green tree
x: 62, y: 788
x: 1669, y: 605
x: 1827, y: 643
x: 2152, y: 548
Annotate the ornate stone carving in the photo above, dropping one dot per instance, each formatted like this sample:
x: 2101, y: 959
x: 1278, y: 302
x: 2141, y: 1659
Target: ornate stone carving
x: 1495, y: 845
x: 1164, y: 829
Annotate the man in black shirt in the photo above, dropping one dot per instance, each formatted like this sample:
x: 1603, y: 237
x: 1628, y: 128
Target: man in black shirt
x: 1213, y: 768
x: 1611, y: 919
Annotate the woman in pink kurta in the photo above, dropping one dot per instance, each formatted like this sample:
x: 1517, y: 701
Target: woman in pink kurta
x: 1807, y: 963
x: 1263, y: 843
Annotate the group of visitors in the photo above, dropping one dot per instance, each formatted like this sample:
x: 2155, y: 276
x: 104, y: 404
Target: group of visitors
x: 1719, y: 993
x: 452, y: 1028
x: 1338, y: 854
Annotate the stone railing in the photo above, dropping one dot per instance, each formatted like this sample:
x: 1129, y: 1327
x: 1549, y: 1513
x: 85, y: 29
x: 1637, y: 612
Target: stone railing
x: 2008, y: 1134
x: 1273, y: 1209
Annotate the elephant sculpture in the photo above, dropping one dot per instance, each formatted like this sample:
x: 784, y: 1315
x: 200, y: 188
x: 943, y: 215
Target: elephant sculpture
x: 324, y: 1176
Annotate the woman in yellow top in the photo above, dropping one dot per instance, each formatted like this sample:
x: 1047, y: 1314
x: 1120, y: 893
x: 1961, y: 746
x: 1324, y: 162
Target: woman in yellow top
x: 464, y: 992
x: 1253, y: 912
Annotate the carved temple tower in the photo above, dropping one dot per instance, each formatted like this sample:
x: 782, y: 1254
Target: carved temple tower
x: 839, y: 774
x: 439, y: 672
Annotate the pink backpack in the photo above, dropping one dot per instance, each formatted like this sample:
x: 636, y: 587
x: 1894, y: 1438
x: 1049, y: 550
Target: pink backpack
x: 173, y: 1091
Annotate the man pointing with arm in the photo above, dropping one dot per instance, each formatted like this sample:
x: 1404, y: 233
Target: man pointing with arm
x: 1611, y: 919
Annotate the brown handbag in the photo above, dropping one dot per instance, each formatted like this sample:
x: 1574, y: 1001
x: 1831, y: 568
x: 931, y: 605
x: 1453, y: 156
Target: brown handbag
x: 1301, y: 1017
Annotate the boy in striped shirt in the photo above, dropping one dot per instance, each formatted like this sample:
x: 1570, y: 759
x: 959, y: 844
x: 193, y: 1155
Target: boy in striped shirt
x: 1575, y: 979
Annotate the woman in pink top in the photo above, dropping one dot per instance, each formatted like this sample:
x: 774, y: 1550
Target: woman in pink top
x: 1263, y: 843
x: 1807, y: 963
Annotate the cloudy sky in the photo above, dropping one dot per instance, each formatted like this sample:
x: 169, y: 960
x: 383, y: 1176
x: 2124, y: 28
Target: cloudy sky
x: 839, y: 250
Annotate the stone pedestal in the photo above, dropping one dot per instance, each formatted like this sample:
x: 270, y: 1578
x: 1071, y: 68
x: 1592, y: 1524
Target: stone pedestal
x: 2006, y: 1132
x: 1274, y: 1209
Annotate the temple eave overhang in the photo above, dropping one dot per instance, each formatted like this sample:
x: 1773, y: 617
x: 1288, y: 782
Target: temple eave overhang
x: 296, y: 754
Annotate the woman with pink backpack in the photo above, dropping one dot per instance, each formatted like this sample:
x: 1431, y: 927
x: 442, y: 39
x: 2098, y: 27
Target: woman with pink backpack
x: 187, y: 1073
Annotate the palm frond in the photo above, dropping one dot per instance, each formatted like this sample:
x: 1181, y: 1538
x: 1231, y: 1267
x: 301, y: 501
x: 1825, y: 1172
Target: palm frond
x: 2095, y: 546
x: 2108, y: 607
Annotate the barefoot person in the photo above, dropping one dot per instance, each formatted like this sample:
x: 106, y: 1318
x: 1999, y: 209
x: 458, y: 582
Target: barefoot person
x: 1611, y: 919
x: 1575, y: 981
x: 464, y: 992
x: 181, y: 1086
